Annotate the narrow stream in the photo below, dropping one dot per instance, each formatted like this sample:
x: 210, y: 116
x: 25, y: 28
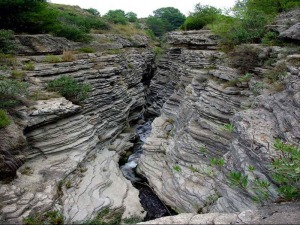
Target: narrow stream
x: 150, y: 201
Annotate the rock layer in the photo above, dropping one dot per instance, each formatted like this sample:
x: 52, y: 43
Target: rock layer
x: 69, y: 167
x: 208, y: 118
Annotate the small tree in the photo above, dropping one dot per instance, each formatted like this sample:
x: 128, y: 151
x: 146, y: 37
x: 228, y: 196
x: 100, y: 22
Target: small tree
x: 93, y: 11
x: 116, y: 16
x: 132, y: 17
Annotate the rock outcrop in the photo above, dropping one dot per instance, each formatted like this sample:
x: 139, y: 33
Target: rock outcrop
x: 72, y: 151
x: 274, y: 214
x: 216, y: 113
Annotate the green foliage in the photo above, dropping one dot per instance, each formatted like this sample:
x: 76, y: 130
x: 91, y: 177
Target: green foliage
x: 170, y: 15
x: 270, y: 38
x: 257, y: 88
x: 202, y: 16
x: 228, y: 127
x: 87, y: 49
x: 236, y: 178
x: 165, y: 20
x: 28, y: 66
x: 6, y: 41
x: 217, y: 162
x: 52, y: 59
x: 132, y: 17
x: 133, y: 220
x: 10, y: 92
x: 106, y: 217
x: 277, y: 73
x: 4, y: 119
x: 38, y: 16
x: 18, y: 75
x: 285, y: 170
x: 158, y: 51
x: 117, y: 16
x: 70, y: 88
x: 51, y: 217
x: 7, y: 60
x: 177, y: 168
x: 22, y: 15
x: 193, y: 169
x: 234, y: 82
x: 93, y: 11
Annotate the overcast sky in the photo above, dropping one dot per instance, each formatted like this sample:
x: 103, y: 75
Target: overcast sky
x: 144, y: 8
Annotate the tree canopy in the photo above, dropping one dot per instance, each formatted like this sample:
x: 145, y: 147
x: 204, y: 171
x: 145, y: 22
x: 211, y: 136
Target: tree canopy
x: 165, y: 20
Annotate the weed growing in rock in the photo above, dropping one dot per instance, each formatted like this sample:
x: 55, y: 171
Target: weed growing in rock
x: 236, y: 178
x: 257, y: 88
x: 193, y: 169
x: 7, y: 60
x: 133, y: 220
x: 228, y: 127
x: 29, y: 66
x: 18, y: 75
x: 177, y: 168
x: 51, y: 217
x: 70, y: 88
x: 68, y: 56
x: 106, y: 217
x: 87, y: 50
x: 239, y: 80
x: 52, y: 59
x: 217, y: 162
x: 276, y: 74
x: 4, y: 119
x: 285, y: 170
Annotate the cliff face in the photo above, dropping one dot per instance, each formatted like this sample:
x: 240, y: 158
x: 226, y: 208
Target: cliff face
x: 215, y: 114
x: 72, y: 151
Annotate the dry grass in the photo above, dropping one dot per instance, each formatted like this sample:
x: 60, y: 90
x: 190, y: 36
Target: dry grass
x: 68, y: 56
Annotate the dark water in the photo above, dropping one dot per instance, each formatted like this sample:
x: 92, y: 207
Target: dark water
x: 149, y: 200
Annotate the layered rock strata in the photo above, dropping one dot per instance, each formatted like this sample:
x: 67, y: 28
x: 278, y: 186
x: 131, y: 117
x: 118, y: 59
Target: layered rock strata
x: 72, y: 151
x: 209, y: 118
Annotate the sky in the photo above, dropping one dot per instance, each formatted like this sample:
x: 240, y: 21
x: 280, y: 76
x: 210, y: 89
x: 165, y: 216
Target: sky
x: 144, y: 8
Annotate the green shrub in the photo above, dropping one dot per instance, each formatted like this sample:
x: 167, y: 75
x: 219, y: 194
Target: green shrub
x: 4, y: 119
x: 116, y: 16
x: 51, y: 217
x: 52, y: 59
x: 70, y: 88
x: 10, y: 92
x: 106, y: 217
x: 202, y: 16
x: 6, y: 41
x: 18, y: 75
x: 29, y: 66
x: 217, y: 162
x: 7, y: 60
x: 285, y: 170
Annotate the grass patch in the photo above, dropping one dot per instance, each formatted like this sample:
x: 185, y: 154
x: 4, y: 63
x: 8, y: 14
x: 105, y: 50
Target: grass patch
x: 106, y: 217
x: 133, y: 220
x: 177, y: 168
x: 17, y: 74
x: 10, y: 92
x: 228, y: 127
x: 29, y: 66
x: 87, y: 49
x: 26, y: 171
x: 52, y: 59
x: 4, y: 119
x: 51, y: 218
x: 70, y: 88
